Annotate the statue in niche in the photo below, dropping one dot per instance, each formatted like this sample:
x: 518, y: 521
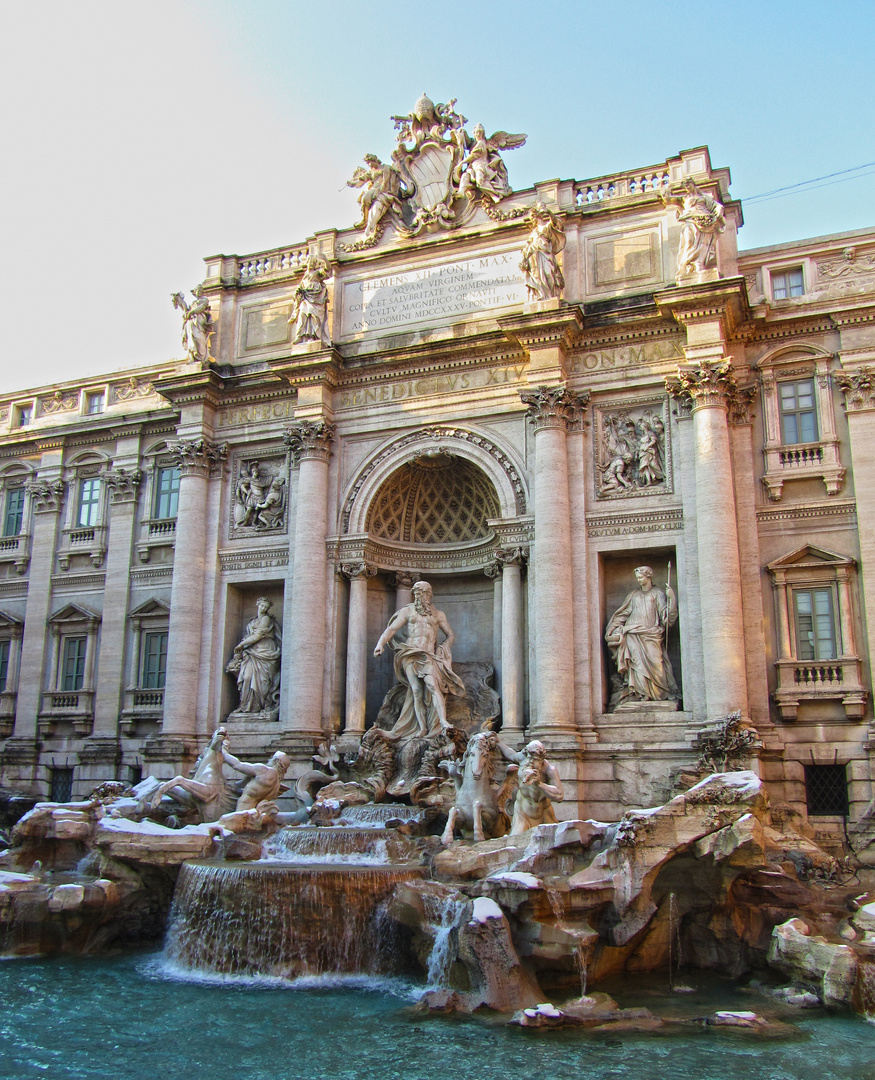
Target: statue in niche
x: 540, y: 263
x: 539, y: 786
x: 632, y: 455
x: 197, y: 325
x: 256, y: 663
x: 310, y: 303
x: 259, y: 500
x: 702, y: 220
x: 422, y: 665
x: 482, y: 169
x: 636, y: 635
x: 380, y: 186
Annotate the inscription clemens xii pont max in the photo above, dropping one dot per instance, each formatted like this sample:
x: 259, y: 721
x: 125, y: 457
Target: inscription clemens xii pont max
x: 435, y: 292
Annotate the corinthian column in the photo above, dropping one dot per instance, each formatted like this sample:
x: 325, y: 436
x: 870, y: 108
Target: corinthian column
x: 198, y: 460
x: 711, y: 389
x: 357, y: 644
x: 123, y: 485
x: 551, y: 412
x: 304, y: 645
x: 858, y: 386
x: 511, y: 561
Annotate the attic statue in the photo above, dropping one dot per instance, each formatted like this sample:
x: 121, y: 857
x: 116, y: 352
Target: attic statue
x: 310, y: 304
x: 197, y: 326
x: 702, y: 220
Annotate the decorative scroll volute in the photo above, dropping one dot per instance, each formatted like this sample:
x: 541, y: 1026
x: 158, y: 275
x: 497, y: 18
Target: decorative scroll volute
x: 198, y: 456
x: 858, y: 387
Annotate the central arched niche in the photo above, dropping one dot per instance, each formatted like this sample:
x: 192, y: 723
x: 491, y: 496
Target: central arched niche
x: 434, y: 500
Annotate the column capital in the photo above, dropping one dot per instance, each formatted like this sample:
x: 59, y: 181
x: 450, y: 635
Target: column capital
x: 405, y: 579
x: 711, y: 384
x: 198, y: 457
x: 46, y: 495
x: 554, y: 406
x: 858, y: 387
x: 310, y: 439
x: 123, y: 485
x: 511, y: 556
x: 358, y: 570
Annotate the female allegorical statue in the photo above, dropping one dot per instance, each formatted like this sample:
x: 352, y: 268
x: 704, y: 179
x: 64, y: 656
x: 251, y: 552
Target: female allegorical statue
x: 636, y: 636
x: 256, y: 663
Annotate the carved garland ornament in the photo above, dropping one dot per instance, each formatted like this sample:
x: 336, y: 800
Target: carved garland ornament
x: 858, y: 387
x: 434, y: 434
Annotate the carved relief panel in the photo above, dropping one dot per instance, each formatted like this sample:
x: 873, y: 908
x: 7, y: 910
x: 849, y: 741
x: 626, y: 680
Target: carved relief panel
x: 632, y: 448
x: 259, y: 500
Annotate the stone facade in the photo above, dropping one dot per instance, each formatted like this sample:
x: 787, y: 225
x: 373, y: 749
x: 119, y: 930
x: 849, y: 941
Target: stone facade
x: 522, y: 455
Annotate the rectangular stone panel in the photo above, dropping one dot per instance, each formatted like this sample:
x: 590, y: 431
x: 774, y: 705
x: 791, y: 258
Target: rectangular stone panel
x: 621, y: 259
x: 266, y: 326
x: 432, y: 294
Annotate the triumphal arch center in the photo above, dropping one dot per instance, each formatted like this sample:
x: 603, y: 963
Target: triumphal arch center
x: 633, y: 464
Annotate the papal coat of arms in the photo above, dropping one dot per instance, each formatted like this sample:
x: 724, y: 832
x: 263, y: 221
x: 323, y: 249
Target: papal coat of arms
x: 438, y: 174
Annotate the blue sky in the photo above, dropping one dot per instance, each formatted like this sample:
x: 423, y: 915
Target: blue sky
x: 141, y: 137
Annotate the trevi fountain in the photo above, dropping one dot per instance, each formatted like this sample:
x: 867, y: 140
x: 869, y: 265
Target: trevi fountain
x: 378, y: 866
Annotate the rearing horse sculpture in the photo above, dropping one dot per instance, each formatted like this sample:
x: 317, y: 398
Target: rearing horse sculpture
x: 479, y: 806
x: 207, y: 791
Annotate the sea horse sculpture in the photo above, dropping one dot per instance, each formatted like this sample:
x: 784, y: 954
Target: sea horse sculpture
x: 479, y: 806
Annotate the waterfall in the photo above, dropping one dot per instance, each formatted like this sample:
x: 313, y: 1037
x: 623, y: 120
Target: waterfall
x: 580, y: 960
x: 442, y: 953
x: 375, y: 815
x: 866, y: 977
x: 285, y: 920
x: 349, y: 847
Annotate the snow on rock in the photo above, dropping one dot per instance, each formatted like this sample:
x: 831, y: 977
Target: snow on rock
x: 516, y: 878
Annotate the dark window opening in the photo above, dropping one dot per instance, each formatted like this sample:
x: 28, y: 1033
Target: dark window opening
x: 60, y: 785
x: 135, y: 774
x: 826, y: 790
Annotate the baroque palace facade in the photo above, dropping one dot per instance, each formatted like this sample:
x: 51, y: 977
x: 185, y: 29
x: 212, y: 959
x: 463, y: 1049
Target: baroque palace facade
x: 520, y: 397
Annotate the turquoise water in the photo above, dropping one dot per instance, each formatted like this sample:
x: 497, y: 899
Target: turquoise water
x: 131, y: 1018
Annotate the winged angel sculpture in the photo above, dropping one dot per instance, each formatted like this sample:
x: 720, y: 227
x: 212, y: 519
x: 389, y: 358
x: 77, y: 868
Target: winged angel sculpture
x: 438, y: 174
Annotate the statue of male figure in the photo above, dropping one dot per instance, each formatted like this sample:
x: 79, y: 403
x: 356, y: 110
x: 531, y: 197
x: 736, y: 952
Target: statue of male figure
x: 266, y: 782
x: 423, y: 665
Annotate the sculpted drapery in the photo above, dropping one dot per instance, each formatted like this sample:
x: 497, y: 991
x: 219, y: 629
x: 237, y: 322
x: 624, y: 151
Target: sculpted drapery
x: 256, y: 663
x: 636, y: 636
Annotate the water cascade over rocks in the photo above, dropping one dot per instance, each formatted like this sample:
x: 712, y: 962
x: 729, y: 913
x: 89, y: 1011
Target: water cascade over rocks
x: 321, y: 911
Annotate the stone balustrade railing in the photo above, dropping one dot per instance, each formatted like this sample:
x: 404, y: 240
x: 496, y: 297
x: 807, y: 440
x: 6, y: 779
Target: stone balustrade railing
x: 287, y: 260
x: 625, y: 185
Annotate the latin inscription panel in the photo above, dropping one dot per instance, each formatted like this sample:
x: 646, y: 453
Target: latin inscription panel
x: 433, y: 294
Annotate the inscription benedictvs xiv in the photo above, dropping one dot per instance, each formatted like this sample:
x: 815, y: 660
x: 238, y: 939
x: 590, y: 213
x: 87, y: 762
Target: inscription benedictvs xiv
x: 433, y: 293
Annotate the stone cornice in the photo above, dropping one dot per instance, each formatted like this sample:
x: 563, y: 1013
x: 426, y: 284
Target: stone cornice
x: 192, y: 388
x: 554, y: 406
x: 309, y: 366
x: 310, y: 439
x: 548, y: 323
x: 724, y: 299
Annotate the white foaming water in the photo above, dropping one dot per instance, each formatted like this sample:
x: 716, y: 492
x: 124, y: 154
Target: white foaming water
x: 159, y: 968
x: 332, y: 845
x: 441, y: 956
